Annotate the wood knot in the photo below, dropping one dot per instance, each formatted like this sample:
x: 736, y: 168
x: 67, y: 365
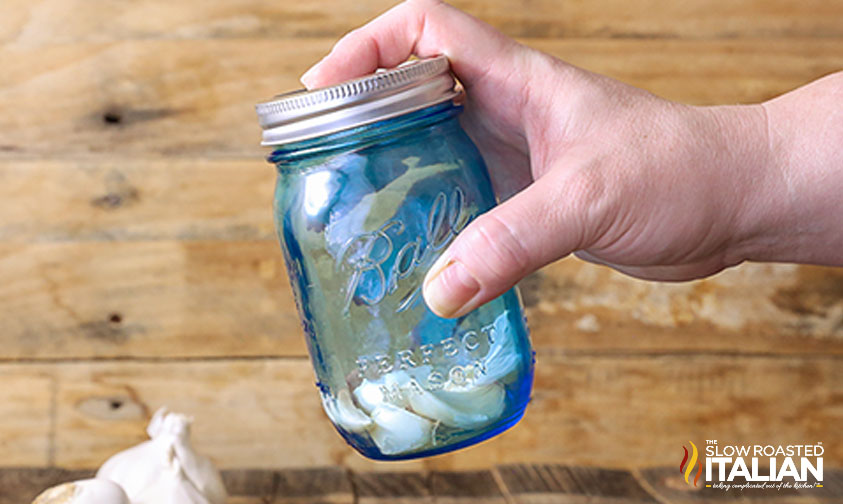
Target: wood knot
x: 115, y: 407
x: 112, y: 117
x: 119, y: 193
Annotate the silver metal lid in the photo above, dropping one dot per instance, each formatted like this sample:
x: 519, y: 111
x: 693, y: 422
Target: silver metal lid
x: 303, y: 114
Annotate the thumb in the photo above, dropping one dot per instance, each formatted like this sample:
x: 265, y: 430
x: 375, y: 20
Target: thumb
x: 501, y: 247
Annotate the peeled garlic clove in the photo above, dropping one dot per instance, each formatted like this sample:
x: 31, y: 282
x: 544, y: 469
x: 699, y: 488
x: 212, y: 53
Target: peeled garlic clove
x: 390, y: 388
x: 91, y: 491
x: 164, y: 464
x: 396, y: 430
x: 466, y: 407
x: 368, y: 395
x: 344, y: 413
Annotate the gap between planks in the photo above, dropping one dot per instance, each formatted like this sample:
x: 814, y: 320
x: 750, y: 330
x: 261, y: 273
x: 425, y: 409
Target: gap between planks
x: 544, y: 353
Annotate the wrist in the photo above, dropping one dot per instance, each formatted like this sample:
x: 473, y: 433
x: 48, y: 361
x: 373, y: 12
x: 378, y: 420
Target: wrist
x: 799, y: 197
x: 752, y: 194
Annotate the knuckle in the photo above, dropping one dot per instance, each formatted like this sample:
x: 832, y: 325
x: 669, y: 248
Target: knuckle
x: 497, y: 246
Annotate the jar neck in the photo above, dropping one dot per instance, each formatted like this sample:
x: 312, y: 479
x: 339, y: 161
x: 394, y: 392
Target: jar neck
x: 364, y: 135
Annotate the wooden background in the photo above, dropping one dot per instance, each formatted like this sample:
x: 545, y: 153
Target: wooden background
x: 138, y: 266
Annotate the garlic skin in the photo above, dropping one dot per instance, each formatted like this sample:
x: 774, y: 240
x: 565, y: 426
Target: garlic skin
x: 91, y: 491
x: 165, y: 469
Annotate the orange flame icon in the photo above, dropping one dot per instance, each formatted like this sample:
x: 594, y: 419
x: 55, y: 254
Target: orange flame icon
x: 690, y: 467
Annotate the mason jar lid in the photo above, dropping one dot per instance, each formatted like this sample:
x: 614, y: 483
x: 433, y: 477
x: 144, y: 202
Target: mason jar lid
x: 303, y: 114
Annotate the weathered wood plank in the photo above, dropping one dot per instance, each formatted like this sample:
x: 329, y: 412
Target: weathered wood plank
x: 192, y: 299
x: 122, y: 200
x: 668, y: 486
x: 196, y: 98
x: 22, y: 485
x: 530, y: 483
x: 465, y: 487
x: 329, y: 485
x: 56, y: 22
x: 170, y: 299
x: 27, y: 401
x: 593, y: 411
x: 273, y: 404
x: 538, y: 484
x: 146, y: 299
x: 761, y: 308
x: 388, y: 487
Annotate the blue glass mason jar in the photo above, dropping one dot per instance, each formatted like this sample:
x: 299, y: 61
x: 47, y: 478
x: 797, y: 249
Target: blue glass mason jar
x: 375, y: 178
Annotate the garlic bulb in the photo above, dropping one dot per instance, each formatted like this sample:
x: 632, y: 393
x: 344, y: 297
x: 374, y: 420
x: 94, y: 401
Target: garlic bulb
x: 91, y: 491
x: 165, y: 469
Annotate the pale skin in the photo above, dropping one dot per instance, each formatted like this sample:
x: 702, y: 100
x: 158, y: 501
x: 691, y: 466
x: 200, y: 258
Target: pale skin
x: 609, y: 172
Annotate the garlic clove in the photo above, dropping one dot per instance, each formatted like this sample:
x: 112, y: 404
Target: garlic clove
x: 368, y: 395
x: 91, y: 491
x: 467, y: 407
x: 344, y: 413
x: 388, y: 389
x: 397, y: 430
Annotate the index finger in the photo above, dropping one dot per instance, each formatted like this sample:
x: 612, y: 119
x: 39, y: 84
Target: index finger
x: 422, y: 28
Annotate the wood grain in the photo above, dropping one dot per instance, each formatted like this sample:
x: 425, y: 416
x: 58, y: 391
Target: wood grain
x: 244, y: 486
x: 64, y: 21
x: 152, y: 299
x: 754, y: 308
x: 329, y: 485
x: 544, y: 483
x: 465, y: 487
x: 195, y: 98
x: 593, y: 410
x: 523, y: 483
x: 167, y: 298
x: 26, y: 416
x: 388, y: 487
x: 136, y: 200
x: 664, y: 484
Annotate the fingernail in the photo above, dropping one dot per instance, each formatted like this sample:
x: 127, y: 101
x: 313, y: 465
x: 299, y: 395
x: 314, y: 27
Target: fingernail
x: 307, y: 77
x: 449, y: 288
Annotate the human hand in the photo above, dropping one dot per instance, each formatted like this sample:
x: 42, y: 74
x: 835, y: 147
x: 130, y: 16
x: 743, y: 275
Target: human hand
x: 652, y: 188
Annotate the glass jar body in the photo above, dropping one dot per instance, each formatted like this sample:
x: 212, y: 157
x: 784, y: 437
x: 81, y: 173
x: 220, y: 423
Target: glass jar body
x: 361, y: 216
